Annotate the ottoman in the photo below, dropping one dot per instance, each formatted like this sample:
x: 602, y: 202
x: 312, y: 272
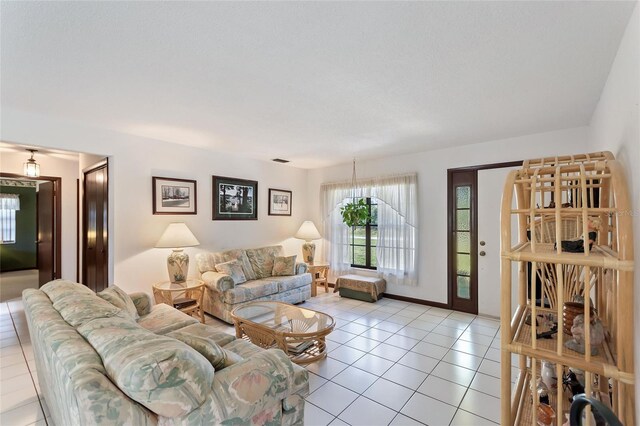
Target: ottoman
x: 368, y: 289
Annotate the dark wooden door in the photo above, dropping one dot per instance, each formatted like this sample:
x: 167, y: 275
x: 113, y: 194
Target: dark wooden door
x: 46, y: 232
x: 95, y: 235
x: 463, y: 240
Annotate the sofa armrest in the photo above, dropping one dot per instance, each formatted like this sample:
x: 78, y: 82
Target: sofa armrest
x: 251, y: 386
x: 301, y: 268
x: 143, y: 302
x: 217, y: 281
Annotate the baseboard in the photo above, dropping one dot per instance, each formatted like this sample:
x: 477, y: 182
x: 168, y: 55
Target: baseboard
x: 417, y: 301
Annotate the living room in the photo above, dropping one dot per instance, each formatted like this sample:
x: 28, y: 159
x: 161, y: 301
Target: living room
x: 191, y: 91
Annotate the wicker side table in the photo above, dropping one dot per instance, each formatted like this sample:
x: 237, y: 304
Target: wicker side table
x: 186, y: 296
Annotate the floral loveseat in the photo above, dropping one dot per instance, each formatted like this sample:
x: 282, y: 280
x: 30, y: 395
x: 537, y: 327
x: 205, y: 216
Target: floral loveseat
x: 116, y: 359
x: 237, y: 277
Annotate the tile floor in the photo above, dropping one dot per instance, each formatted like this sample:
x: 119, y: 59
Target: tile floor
x: 389, y: 363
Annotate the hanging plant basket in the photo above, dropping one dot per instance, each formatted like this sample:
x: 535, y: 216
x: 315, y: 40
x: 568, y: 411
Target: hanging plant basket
x: 355, y: 213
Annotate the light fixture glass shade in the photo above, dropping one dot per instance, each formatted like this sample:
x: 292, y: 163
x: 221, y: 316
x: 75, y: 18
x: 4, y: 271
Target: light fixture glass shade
x: 308, y: 231
x: 177, y: 235
x: 31, y: 168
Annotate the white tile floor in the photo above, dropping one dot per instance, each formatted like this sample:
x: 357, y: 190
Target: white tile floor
x: 389, y: 363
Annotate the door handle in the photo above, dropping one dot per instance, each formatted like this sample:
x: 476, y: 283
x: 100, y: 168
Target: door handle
x: 482, y: 243
x: 482, y: 253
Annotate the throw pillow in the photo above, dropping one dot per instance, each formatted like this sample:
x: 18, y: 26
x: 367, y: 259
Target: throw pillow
x: 118, y: 298
x: 232, y: 268
x: 284, y: 266
x: 206, y: 347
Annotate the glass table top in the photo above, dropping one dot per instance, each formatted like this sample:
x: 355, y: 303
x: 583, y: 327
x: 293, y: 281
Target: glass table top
x: 284, y: 317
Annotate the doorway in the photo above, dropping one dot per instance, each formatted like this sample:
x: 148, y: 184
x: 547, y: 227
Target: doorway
x: 95, y: 220
x: 33, y: 257
x: 474, y: 211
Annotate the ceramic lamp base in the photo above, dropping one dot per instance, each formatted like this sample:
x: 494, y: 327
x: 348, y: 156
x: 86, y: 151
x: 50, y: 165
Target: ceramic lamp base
x: 308, y: 252
x: 178, y: 266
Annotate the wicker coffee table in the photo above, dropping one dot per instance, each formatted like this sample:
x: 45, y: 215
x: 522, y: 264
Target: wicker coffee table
x: 299, y: 332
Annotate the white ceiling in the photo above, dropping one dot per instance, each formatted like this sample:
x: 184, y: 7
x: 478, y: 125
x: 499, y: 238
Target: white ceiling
x: 313, y: 82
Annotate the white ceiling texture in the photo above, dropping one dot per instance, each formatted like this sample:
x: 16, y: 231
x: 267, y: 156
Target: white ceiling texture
x: 316, y: 83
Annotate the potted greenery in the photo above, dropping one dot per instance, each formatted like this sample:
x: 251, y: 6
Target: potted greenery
x: 355, y: 213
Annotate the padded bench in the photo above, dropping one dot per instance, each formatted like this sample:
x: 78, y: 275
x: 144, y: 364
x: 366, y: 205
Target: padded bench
x: 368, y: 289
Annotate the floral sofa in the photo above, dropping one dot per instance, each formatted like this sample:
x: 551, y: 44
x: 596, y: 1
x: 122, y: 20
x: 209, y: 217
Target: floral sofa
x: 237, y: 277
x: 114, y: 359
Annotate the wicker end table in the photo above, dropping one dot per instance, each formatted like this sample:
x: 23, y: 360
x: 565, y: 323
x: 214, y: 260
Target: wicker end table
x: 299, y: 332
x: 186, y: 296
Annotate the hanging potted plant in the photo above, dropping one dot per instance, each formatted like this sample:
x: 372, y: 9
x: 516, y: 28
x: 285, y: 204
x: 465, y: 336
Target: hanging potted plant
x: 356, y: 212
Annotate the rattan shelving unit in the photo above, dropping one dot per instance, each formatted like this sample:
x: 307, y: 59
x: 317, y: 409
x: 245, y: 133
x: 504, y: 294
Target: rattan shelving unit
x: 555, y: 198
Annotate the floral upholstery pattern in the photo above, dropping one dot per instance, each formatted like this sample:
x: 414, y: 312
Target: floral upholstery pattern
x: 222, y: 295
x: 164, y: 319
x: 261, y: 260
x: 82, y: 308
x: 250, y: 290
x: 120, y: 299
x: 174, y: 383
x: 205, y: 347
x: 161, y: 373
x: 284, y: 266
x: 233, y: 268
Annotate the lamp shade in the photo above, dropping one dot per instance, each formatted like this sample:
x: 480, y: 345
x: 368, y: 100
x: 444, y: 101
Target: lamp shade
x: 177, y: 235
x: 308, y: 231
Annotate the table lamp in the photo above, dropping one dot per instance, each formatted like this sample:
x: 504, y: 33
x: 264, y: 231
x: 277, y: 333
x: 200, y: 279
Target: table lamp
x: 176, y: 236
x: 308, y: 232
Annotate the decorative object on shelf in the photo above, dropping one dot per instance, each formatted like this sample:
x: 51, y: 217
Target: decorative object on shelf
x: 572, y: 385
x: 543, y: 392
x: 177, y: 236
x: 31, y: 168
x: 546, y: 415
x: 308, y: 232
x: 569, y: 311
x: 234, y: 199
x: 549, y: 377
x: 577, y: 331
x: 355, y: 212
x: 174, y: 196
x: 279, y: 202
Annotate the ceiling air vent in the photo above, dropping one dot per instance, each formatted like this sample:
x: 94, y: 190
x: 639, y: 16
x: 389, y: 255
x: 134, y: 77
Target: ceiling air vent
x: 280, y: 160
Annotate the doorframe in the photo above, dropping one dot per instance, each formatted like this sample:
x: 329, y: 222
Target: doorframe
x: 57, y: 185
x: 474, y: 227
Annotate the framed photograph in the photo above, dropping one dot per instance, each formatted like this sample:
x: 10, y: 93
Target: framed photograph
x: 234, y: 199
x: 279, y: 202
x: 174, y: 196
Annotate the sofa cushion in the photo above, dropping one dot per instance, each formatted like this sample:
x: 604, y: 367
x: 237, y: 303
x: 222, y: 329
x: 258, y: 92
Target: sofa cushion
x: 165, y: 375
x: 78, y: 308
x: 202, y: 330
x: 261, y: 259
x: 164, y: 319
x: 118, y: 298
x: 284, y: 266
x: 60, y: 288
x: 233, y: 268
x: 249, y: 291
x: 205, y: 347
x: 208, y: 261
x: 243, y: 349
x: 289, y: 283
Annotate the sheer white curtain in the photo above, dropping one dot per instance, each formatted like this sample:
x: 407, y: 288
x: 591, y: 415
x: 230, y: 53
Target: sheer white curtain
x: 9, y: 203
x: 397, y: 246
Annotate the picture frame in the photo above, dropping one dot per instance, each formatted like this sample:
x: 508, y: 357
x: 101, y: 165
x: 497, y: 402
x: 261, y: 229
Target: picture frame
x: 174, y: 196
x: 234, y: 199
x: 279, y: 202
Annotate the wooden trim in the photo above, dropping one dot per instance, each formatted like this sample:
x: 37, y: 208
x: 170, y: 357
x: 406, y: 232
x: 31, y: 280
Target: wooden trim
x: 417, y: 301
x: 57, y: 188
x: 78, y: 230
x: 99, y: 165
x: 490, y: 166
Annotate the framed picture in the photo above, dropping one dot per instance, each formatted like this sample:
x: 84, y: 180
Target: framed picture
x: 174, y: 196
x: 279, y: 202
x: 234, y: 199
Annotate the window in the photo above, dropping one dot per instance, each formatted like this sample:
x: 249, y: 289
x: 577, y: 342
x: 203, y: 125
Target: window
x: 364, y: 240
x: 9, y: 203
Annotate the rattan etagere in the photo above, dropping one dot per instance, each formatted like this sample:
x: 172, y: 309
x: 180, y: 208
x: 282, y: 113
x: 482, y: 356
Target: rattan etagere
x: 555, y: 200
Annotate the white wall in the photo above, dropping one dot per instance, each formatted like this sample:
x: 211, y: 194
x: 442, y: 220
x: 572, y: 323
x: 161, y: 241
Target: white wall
x: 65, y: 167
x: 135, y: 265
x: 432, y: 168
x: 614, y: 127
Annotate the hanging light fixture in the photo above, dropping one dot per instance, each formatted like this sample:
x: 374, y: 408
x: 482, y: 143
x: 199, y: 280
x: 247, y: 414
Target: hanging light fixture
x: 31, y: 168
